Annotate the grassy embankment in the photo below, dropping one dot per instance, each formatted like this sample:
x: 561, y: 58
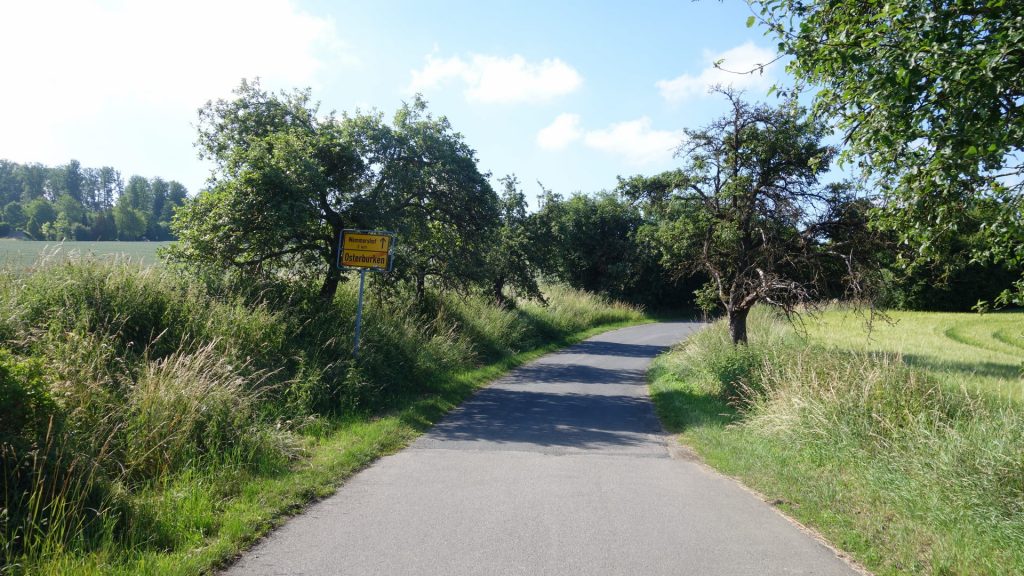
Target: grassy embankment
x: 905, y: 449
x: 150, y: 424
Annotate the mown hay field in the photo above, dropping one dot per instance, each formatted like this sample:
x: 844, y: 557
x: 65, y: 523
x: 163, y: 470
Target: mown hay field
x: 984, y: 353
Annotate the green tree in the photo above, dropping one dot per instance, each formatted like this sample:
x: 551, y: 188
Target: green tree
x: 33, y: 180
x: 15, y: 215
x: 176, y: 196
x: 68, y: 179
x: 590, y: 242
x: 133, y: 208
x: 286, y: 182
x: 131, y: 223
x: 104, y: 226
x: 70, y: 221
x: 110, y: 188
x: 10, y: 182
x: 138, y: 194
x: 952, y: 279
x: 39, y: 214
x: 159, y: 190
x: 744, y: 209
x: 448, y: 211
x: 930, y: 95
x: 510, y: 260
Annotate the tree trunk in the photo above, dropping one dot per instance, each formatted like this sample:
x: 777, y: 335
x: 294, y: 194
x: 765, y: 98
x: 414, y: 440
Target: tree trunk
x: 330, y: 286
x: 499, y: 295
x: 421, y: 286
x: 738, y: 325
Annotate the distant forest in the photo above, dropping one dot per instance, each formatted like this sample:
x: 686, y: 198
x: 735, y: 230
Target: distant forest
x: 70, y: 202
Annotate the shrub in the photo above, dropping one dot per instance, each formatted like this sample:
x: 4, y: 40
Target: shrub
x: 26, y: 405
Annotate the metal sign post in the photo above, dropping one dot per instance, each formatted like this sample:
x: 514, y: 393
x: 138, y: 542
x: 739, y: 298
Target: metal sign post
x: 365, y: 250
x: 359, y: 312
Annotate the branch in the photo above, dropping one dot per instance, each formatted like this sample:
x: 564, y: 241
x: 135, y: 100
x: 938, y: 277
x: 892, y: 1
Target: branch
x: 277, y: 254
x: 759, y: 68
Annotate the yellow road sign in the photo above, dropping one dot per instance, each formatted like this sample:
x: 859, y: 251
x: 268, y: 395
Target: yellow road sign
x: 365, y: 249
x: 367, y: 242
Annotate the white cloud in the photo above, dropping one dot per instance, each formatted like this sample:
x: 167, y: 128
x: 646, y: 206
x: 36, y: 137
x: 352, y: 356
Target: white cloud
x: 563, y: 131
x: 743, y: 58
x: 183, y: 51
x: 436, y: 71
x: 493, y: 79
x: 119, y: 82
x: 635, y: 141
x: 68, y: 63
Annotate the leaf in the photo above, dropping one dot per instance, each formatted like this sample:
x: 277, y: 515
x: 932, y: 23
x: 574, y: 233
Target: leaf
x: 750, y: 21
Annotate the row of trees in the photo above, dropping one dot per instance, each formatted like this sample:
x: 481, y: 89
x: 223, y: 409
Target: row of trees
x: 929, y: 98
x: 70, y: 202
x: 287, y: 181
x: 744, y: 220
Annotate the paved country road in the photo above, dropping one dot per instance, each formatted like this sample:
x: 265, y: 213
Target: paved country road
x: 560, y: 468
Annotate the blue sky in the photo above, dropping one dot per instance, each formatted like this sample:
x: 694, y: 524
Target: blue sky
x: 569, y: 93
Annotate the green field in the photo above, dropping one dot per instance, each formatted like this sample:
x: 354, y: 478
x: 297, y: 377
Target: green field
x: 26, y: 253
x: 903, y: 446
x: 984, y: 353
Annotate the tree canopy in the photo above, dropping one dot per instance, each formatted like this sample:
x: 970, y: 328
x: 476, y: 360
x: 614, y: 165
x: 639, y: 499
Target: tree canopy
x: 512, y: 259
x: 591, y: 242
x: 286, y: 182
x: 930, y: 96
x: 747, y: 209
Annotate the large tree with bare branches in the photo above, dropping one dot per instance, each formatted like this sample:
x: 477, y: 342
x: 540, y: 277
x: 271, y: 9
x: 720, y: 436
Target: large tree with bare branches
x: 747, y: 209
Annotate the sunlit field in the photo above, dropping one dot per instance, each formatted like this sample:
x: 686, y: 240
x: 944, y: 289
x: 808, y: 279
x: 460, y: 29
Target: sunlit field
x: 983, y: 353
x: 26, y: 253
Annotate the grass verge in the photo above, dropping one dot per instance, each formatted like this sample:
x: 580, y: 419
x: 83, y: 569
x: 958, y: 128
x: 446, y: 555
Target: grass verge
x: 258, y: 504
x: 154, y: 424
x: 904, y: 470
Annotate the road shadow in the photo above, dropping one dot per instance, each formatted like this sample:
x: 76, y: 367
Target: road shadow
x: 573, y: 374
x: 599, y: 348
x: 547, y: 419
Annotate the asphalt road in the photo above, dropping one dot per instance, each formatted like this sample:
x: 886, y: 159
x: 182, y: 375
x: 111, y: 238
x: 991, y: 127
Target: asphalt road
x: 560, y: 468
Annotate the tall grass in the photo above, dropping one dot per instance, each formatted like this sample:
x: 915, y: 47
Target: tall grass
x: 912, y: 475
x: 138, y: 404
